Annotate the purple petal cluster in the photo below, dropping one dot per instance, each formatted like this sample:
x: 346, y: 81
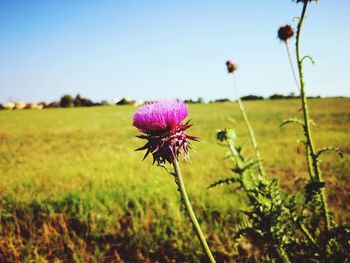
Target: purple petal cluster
x: 161, y: 123
x: 160, y: 116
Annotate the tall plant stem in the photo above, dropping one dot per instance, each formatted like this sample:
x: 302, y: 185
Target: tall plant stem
x: 250, y: 129
x: 190, y: 212
x: 307, y: 131
x: 291, y: 64
x: 309, y: 161
x: 239, y: 164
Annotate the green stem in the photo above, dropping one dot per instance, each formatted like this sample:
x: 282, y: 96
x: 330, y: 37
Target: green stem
x: 250, y: 129
x: 291, y: 64
x: 307, y: 131
x: 239, y: 164
x: 190, y: 212
x: 308, y: 161
x: 234, y: 153
x: 283, y: 255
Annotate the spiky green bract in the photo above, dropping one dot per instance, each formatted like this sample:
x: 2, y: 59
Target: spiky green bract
x: 161, y: 123
x: 168, y: 145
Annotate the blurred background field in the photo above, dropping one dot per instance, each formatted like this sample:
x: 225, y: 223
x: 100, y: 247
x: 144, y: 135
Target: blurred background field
x: 73, y: 189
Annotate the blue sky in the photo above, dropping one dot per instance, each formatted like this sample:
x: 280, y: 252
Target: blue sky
x: 165, y: 49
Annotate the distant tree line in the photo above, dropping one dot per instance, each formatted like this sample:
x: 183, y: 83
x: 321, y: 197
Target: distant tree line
x: 67, y: 101
x: 199, y: 100
x: 275, y: 96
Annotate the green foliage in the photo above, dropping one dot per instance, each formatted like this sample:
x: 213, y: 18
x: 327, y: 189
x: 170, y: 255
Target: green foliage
x: 286, y: 227
x: 252, y: 97
x: 269, y: 221
x: 78, y: 168
x: 82, y: 102
x: 66, y: 101
x: 312, y: 189
x: 290, y: 231
x: 287, y: 230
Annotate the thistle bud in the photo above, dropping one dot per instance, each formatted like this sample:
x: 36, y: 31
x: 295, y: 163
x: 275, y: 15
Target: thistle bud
x: 285, y: 32
x: 231, y: 67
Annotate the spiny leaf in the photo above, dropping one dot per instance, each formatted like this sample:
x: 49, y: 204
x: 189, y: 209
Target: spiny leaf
x: 330, y: 149
x: 239, y: 230
x: 249, y: 164
x: 246, y: 166
x: 224, y: 181
x: 250, y: 232
x: 249, y: 214
x: 237, y: 170
x: 309, y: 58
x: 240, y: 149
x: 292, y: 120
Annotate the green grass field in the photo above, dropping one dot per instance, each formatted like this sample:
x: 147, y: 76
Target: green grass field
x: 73, y: 189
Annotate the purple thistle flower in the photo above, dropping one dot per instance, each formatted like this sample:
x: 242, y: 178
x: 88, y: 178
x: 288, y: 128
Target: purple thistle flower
x: 161, y: 123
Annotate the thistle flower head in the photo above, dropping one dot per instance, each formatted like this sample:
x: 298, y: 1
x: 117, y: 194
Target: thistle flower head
x: 231, y: 67
x: 161, y: 123
x: 285, y: 32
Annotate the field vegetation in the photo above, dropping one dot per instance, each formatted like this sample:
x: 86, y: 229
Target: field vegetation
x: 73, y: 189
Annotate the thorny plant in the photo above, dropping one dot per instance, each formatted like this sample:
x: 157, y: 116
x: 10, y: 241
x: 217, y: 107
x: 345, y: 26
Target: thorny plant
x: 286, y: 227
x: 162, y: 127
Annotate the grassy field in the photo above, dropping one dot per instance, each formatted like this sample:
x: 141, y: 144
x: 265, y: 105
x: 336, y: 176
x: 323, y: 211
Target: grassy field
x: 73, y: 189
